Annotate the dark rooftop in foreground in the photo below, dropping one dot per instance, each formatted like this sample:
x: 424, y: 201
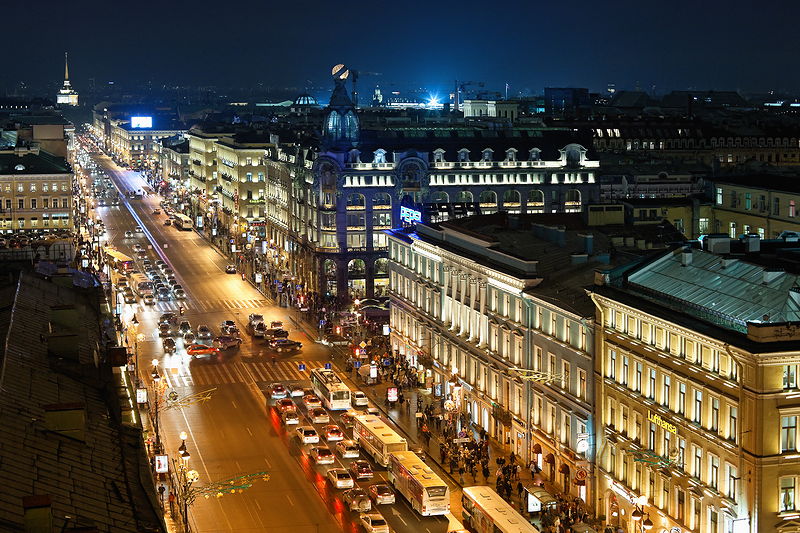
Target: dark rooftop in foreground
x: 32, y: 162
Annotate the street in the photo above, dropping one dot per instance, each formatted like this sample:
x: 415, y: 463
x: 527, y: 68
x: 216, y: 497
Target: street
x: 237, y: 431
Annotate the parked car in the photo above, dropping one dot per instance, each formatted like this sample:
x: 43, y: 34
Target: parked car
x: 357, y: 500
x: 381, y: 494
x: 307, y: 435
x: 348, y: 449
x: 225, y: 342
x: 230, y: 269
x: 254, y: 318
x: 360, y: 399
x: 322, y: 456
x: 340, y: 478
x: 284, y: 345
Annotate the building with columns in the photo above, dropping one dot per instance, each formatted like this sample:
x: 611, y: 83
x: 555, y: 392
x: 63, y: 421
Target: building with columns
x: 491, y: 312
x: 67, y: 95
x: 697, y: 358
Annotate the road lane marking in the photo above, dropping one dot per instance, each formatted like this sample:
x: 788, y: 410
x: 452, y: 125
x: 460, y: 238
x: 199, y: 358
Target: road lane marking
x: 258, y: 505
x: 290, y: 500
x: 267, y: 461
x: 234, y: 404
x: 248, y: 430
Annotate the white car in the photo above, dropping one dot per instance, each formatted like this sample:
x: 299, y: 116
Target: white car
x: 340, y: 478
x: 373, y: 522
x: 360, y: 399
x: 319, y: 415
x: 311, y: 401
x: 348, y: 449
x: 322, y: 456
x: 290, y: 418
x: 309, y: 435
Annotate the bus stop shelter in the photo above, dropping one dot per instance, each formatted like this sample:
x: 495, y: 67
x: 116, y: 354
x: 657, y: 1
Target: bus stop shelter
x: 537, y: 498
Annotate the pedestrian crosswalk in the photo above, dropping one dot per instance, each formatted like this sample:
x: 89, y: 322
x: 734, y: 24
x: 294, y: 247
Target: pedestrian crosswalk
x: 204, y: 306
x: 247, y: 371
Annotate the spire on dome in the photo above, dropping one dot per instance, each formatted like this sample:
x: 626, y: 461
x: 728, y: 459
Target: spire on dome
x: 66, y: 67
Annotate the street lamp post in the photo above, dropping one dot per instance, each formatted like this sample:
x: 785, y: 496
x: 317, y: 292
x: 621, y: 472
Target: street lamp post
x: 641, y: 520
x: 186, y: 478
x: 156, y: 400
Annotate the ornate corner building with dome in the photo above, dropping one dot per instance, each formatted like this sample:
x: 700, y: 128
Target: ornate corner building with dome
x: 365, y: 179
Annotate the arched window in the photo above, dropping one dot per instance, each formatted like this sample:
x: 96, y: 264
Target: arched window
x: 356, y: 267
x: 511, y: 198
x: 329, y: 266
x: 535, y: 197
x: 440, y: 197
x: 381, y: 200
x: 355, y: 201
x: 334, y: 125
x: 572, y: 201
x: 464, y: 196
x: 351, y: 126
x: 488, y: 197
x: 381, y: 266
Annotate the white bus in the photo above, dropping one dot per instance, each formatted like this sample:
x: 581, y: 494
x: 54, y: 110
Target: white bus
x: 121, y: 262
x: 484, y: 511
x: 377, y: 438
x: 331, y: 389
x: 424, y: 490
x: 140, y: 284
x: 183, y: 222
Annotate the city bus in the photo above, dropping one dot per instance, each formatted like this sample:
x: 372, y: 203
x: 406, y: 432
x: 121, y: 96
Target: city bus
x: 377, y: 438
x: 140, y: 284
x: 424, y: 490
x: 484, y: 511
x: 118, y: 260
x: 183, y: 222
x: 331, y: 389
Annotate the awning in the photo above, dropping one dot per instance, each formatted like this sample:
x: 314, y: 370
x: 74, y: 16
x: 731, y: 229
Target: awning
x: 549, y: 458
x: 563, y: 469
x: 540, y: 494
x: 537, y: 448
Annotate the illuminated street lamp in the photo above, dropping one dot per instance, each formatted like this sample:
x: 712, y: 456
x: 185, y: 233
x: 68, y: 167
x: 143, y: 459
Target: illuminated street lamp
x: 641, y: 520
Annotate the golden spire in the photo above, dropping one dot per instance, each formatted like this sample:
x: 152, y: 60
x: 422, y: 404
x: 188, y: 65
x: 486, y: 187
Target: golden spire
x: 66, y: 67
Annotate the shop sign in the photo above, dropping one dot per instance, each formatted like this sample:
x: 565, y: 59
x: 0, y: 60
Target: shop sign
x: 581, y: 474
x: 386, y: 329
x: 391, y: 394
x: 373, y: 371
x: 141, y: 395
x: 259, y: 277
x: 582, y: 444
x: 162, y: 464
x: 657, y: 420
x: 409, y: 216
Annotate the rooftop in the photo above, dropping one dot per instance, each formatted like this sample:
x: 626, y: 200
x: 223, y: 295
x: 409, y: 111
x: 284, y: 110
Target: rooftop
x: 90, y: 469
x: 767, y: 182
x: 15, y: 162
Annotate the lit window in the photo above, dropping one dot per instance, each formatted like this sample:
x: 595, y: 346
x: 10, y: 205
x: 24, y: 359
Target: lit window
x: 787, y: 494
x: 788, y: 433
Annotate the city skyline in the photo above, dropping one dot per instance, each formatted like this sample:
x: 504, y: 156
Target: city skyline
x: 528, y: 46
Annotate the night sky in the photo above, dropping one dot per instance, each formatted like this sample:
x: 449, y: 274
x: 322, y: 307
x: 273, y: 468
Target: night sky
x: 750, y: 46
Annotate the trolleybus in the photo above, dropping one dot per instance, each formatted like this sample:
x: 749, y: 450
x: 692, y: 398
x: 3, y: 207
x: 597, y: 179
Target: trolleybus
x: 183, y: 222
x: 484, y: 511
x: 120, y: 261
x: 377, y: 438
x: 424, y: 490
x: 331, y: 389
x: 140, y: 284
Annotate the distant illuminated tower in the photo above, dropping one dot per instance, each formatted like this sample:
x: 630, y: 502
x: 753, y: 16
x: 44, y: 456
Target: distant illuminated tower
x: 66, y: 96
x: 341, y: 128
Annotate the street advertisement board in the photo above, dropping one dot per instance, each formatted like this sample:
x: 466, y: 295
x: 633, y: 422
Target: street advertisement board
x: 162, y: 464
x: 391, y: 394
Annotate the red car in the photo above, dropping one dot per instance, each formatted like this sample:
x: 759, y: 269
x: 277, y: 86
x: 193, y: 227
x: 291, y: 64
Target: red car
x: 333, y: 433
x: 201, y: 349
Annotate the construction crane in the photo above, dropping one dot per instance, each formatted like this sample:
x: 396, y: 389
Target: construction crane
x: 460, y: 87
x: 354, y: 75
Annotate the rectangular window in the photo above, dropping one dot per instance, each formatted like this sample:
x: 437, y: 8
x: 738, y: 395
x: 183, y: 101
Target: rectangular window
x: 651, y: 392
x: 733, y: 477
x: 719, y: 195
x: 788, y: 433
x: 748, y: 202
x: 612, y: 364
x: 698, y: 406
x: 790, y: 376
x: 637, y: 378
x: 714, y: 414
x: 713, y: 473
x: 652, y: 440
x: 681, y: 460
x: 33, y: 203
x: 697, y: 471
x: 776, y: 207
x: 681, y: 407
x: 565, y: 384
x: 665, y: 396
x: 21, y: 203
x: 733, y: 423
x: 792, y: 209
x: 787, y: 494
x: 46, y: 203
x: 625, y: 370
x: 581, y: 384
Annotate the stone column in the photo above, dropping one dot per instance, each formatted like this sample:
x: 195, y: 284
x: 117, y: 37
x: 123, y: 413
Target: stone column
x: 484, y: 333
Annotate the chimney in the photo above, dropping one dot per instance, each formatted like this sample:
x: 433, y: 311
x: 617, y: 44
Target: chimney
x: 588, y: 242
x: 686, y: 257
x: 68, y: 419
x: 37, y: 514
x: 752, y: 243
x: 718, y: 243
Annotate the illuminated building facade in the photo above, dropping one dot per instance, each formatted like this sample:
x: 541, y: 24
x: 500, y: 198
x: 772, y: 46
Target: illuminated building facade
x: 35, y: 192
x: 696, y: 389
x: 133, y: 139
x: 766, y: 205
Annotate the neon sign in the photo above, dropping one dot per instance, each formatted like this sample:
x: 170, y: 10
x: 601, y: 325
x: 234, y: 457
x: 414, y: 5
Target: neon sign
x: 410, y: 216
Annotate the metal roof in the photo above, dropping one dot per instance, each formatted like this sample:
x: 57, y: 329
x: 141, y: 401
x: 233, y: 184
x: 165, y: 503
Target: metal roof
x: 727, y: 291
